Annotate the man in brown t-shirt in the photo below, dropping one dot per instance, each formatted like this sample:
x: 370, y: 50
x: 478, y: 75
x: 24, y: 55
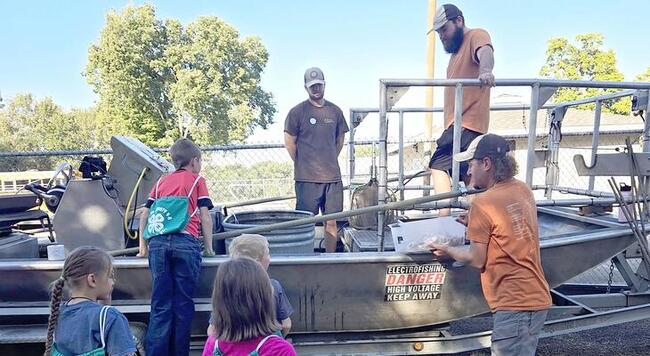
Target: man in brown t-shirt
x: 313, y: 135
x: 504, y: 234
x: 472, y: 56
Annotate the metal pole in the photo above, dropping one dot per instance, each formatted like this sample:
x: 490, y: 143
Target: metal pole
x: 532, y: 127
x: 593, y: 99
x: 552, y: 165
x: 646, y: 133
x: 400, y: 205
x: 458, y: 124
x: 351, y: 155
x: 418, y: 187
x: 595, y: 140
x: 577, y: 202
x: 431, y: 59
x: 646, y: 148
x: 257, y: 201
x: 442, y: 205
x: 406, y: 204
x: 382, y: 175
x: 569, y: 190
x: 400, y: 153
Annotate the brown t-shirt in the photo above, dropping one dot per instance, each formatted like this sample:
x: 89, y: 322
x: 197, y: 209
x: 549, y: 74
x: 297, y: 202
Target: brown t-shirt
x: 505, y: 218
x: 476, y: 100
x: 316, y: 130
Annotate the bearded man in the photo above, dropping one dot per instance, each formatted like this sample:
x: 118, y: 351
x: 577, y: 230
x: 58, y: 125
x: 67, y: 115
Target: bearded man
x: 472, y: 57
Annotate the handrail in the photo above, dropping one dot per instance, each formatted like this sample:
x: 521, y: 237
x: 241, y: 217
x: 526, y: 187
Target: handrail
x: 548, y: 83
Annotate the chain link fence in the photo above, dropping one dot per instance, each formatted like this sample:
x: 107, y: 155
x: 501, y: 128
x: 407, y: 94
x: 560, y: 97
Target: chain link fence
x: 246, y: 172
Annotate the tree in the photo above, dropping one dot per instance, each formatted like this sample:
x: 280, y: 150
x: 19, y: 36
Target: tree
x: 27, y: 124
x: 159, y: 80
x: 585, y: 61
x: 644, y: 77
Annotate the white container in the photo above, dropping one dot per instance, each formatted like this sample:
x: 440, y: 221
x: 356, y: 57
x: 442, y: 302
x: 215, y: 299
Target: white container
x: 55, y: 252
x: 626, y: 193
x: 413, y: 236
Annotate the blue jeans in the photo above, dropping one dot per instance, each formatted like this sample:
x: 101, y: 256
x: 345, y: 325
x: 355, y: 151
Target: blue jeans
x: 175, y: 263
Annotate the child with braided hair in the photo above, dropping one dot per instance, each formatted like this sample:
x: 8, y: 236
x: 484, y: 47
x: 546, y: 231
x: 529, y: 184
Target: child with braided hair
x: 82, y: 326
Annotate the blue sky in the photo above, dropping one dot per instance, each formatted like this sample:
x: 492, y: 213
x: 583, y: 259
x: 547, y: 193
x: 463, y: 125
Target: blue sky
x: 44, y: 43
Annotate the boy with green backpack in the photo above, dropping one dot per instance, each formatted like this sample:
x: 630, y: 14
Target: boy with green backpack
x: 169, y: 226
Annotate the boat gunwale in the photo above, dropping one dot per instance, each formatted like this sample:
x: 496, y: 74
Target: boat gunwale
x: 327, y: 258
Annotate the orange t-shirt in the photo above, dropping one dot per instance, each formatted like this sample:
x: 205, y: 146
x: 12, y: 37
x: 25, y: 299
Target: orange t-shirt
x: 505, y: 218
x: 476, y: 100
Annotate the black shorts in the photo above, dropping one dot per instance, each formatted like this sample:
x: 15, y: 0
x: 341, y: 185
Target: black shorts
x: 441, y: 159
x: 324, y: 197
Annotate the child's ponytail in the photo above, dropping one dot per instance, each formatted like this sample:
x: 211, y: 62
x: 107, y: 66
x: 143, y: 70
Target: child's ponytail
x: 55, y: 305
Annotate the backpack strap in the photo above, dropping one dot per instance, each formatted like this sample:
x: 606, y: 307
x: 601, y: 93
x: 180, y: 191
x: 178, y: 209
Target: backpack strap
x: 155, y: 194
x: 216, y: 351
x: 194, y: 185
x: 190, y: 194
x: 261, y: 343
x: 102, y: 324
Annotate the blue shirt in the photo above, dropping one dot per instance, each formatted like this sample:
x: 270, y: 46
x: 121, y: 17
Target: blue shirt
x: 283, y: 308
x: 77, y: 330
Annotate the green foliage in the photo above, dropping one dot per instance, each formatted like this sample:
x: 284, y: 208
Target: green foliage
x: 644, y: 77
x: 27, y: 124
x: 160, y: 80
x: 238, y: 182
x: 586, y: 60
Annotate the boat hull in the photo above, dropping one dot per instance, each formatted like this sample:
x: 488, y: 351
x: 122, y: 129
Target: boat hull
x: 330, y: 292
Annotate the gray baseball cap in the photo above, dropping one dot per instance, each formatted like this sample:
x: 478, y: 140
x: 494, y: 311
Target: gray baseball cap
x: 313, y: 76
x: 445, y: 13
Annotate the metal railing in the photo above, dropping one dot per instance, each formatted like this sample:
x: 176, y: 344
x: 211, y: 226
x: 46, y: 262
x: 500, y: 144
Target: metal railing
x: 392, y: 88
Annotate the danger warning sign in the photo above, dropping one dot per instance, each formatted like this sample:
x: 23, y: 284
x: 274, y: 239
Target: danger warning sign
x: 414, y: 282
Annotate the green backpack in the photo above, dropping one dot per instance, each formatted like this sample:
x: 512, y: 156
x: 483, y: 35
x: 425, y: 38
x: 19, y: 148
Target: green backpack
x: 168, y: 215
x: 102, y: 329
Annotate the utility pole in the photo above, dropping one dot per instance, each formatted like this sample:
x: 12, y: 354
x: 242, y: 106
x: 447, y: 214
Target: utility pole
x: 431, y: 60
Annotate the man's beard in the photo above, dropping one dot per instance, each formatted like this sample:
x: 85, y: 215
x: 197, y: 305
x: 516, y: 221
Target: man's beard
x: 453, y: 45
x: 316, y: 97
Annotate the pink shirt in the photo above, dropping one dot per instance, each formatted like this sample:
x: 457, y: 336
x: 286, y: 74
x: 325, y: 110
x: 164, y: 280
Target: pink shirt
x: 179, y: 183
x: 274, y: 346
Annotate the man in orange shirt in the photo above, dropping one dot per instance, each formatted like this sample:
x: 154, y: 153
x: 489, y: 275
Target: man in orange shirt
x: 472, y: 57
x: 503, y: 230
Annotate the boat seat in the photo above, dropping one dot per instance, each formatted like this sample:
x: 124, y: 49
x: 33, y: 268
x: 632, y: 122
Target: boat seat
x: 11, y: 219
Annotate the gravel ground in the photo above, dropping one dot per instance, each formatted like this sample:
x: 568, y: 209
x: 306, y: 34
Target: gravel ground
x: 623, y: 339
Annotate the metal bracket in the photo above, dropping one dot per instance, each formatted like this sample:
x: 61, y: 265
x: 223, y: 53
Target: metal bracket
x: 640, y: 100
x: 612, y: 164
x: 632, y: 279
x: 357, y: 118
x: 393, y: 94
x: 540, y: 158
x: 545, y: 93
x: 557, y: 113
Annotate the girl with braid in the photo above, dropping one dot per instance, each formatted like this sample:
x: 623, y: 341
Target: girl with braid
x: 81, y: 325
